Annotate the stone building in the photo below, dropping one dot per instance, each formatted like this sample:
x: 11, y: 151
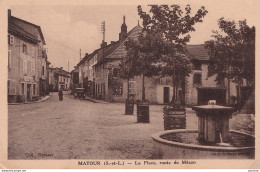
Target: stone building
x: 59, y: 79
x: 98, y: 74
x: 25, y: 59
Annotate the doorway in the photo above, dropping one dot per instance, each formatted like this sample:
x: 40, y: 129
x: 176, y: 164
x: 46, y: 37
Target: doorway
x: 206, y: 94
x: 28, y: 92
x: 166, y: 95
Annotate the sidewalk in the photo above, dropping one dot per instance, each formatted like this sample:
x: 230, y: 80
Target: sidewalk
x: 41, y: 99
x: 95, y: 100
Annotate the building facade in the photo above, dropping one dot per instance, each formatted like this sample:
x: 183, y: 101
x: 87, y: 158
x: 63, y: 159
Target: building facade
x: 25, y: 59
x: 98, y: 74
x: 59, y: 79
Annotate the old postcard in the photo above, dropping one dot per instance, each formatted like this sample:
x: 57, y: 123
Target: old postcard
x: 120, y: 84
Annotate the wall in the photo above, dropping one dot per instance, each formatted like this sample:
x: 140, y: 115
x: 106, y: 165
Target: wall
x: 23, y: 68
x: 191, y: 96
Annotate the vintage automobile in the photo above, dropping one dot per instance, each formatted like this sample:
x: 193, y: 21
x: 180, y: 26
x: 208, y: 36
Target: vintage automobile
x: 80, y: 93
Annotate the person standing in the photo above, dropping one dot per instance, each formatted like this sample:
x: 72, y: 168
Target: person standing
x: 60, y: 95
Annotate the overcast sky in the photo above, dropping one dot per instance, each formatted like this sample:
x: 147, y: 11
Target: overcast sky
x: 69, y: 28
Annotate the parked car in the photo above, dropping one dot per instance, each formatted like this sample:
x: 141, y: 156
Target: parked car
x: 80, y: 93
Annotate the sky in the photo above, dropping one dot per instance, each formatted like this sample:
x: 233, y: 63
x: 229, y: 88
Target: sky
x: 69, y: 28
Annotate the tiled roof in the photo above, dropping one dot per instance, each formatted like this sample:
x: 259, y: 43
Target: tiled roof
x: 198, y: 51
x: 109, y: 49
x: 62, y: 72
x: 26, y: 29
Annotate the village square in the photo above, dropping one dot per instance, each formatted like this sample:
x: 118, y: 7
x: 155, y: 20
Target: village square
x: 132, y: 97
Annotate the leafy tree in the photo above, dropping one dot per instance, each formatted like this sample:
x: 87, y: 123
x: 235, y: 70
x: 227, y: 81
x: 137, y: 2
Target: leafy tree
x: 232, y: 53
x: 127, y: 65
x: 139, y: 60
x: 172, y: 25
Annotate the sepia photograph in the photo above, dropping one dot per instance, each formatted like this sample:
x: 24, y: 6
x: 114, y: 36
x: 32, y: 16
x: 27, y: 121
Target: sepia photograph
x: 133, y: 81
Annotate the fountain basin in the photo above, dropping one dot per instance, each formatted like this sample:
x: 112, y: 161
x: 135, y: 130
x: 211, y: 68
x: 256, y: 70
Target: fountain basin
x: 191, y: 149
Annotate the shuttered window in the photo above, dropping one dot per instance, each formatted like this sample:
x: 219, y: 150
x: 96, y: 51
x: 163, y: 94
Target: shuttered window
x: 25, y: 48
x: 33, y: 68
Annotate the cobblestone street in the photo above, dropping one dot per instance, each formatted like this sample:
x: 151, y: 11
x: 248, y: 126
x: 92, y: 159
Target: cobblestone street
x: 80, y: 129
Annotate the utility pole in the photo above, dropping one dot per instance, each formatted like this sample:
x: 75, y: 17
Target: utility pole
x: 103, y: 31
x: 68, y: 66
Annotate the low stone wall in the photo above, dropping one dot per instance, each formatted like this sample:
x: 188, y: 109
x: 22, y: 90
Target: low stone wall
x: 164, y: 149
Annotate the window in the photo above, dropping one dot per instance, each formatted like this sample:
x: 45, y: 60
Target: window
x: 11, y: 87
x: 33, y: 52
x: 25, y: 48
x: 10, y: 39
x: 115, y: 72
x: 43, y: 70
x: 197, y: 78
x: 22, y: 89
x: 33, y: 68
x: 196, y: 65
x: 132, y: 87
x: 9, y: 58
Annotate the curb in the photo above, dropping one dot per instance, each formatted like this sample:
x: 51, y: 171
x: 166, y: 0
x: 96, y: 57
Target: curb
x: 44, y: 99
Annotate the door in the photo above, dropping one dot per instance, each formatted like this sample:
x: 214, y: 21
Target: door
x: 166, y: 94
x: 206, y: 94
x: 28, y: 92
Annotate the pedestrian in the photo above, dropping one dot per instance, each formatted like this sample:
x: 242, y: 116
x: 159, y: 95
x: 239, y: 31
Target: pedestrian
x: 60, y: 95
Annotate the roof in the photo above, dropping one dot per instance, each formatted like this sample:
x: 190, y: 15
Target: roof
x: 60, y: 71
x: 198, y: 51
x: 26, y: 29
x: 108, y: 49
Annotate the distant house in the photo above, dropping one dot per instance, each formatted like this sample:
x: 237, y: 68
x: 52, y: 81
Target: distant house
x: 26, y: 60
x: 59, y: 79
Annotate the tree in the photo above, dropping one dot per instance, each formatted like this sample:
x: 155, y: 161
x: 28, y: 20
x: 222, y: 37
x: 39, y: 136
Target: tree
x: 172, y: 25
x: 232, y: 53
x: 139, y: 60
x: 128, y: 64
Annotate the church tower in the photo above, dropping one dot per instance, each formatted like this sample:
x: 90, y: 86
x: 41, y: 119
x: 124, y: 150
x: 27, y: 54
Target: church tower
x: 123, y: 33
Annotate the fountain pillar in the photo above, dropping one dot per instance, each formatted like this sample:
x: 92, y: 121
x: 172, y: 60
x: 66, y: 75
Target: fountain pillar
x: 213, y: 124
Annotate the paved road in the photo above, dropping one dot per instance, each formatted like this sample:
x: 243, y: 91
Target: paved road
x: 80, y: 129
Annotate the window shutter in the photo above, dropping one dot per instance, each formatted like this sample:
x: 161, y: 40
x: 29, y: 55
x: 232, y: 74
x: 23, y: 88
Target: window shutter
x: 24, y: 67
x: 33, y: 68
x: 9, y: 58
x: 8, y: 38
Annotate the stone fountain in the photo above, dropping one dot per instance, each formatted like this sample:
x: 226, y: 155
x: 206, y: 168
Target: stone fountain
x: 212, y: 140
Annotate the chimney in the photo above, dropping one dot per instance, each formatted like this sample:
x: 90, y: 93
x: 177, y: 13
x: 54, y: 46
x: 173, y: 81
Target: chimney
x: 9, y: 13
x: 123, y: 33
x: 103, y: 44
